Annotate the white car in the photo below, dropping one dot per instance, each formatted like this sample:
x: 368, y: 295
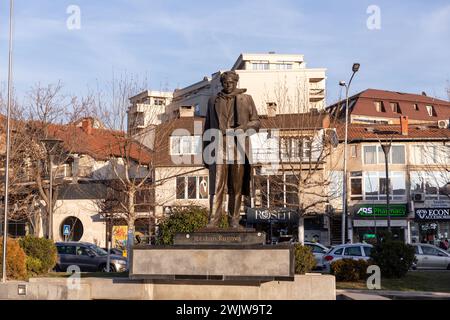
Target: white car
x: 318, y: 250
x: 431, y: 257
x: 355, y: 251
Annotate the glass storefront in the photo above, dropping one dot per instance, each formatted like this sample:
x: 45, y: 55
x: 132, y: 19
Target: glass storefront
x: 432, y: 232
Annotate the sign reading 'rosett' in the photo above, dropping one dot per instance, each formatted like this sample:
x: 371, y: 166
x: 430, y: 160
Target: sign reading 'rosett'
x: 380, y: 210
x: 264, y: 215
x: 431, y: 214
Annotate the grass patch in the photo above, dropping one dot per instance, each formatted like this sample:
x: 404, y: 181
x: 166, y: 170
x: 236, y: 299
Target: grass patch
x: 437, y: 281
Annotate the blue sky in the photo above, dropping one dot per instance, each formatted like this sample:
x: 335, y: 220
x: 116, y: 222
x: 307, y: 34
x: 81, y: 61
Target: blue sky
x: 175, y: 43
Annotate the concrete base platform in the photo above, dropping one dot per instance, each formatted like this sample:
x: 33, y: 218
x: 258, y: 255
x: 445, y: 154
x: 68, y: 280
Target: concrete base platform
x: 213, y: 262
x: 304, y: 287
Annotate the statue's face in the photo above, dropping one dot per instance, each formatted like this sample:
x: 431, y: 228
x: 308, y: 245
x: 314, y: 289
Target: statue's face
x: 229, y: 85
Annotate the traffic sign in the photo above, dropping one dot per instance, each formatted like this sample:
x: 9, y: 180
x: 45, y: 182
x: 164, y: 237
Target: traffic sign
x: 66, y: 229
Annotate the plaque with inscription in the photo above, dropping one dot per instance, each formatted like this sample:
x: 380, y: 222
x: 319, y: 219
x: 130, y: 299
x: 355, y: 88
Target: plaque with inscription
x: 221, y: 237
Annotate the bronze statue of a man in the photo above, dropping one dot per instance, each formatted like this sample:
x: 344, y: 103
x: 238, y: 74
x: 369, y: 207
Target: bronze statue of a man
x: 228, y: 112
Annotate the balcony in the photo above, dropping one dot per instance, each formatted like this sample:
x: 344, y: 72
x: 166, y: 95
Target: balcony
x: 316, y: 94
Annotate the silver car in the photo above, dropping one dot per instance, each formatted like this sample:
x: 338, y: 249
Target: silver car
x: 318, y: 250
x: 431, y: 257
x: 353, y: 251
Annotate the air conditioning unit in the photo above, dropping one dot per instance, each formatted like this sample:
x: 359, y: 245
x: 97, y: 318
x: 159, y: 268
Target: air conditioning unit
x: 418, y: 197
x: 443, y: 124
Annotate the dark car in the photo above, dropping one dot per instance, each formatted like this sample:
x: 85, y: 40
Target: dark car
x: 88, y: 257
x: 115, y: 251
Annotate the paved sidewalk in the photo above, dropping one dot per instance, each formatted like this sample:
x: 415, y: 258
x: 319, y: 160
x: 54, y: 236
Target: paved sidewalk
x: 391, y: 295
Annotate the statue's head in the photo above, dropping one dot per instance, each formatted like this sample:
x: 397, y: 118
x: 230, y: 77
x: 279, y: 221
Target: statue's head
x: 229, y: 80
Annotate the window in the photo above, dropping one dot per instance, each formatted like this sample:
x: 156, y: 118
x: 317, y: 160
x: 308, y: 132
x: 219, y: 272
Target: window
x: 353, y: 251
x: 395, y: 107
x: 375, y: 154
x: 66, y: 250
x: 430, y: 251
x: 284, y: 66
x: 295, y: 149
x: 82, y: 251
x: 433, y: 183
x: 379, y: 107
x: 367, y: 251
x: 356, y: 190
x: 397, y: 154
x: 370, y: 154
x: 316, y: 249
x: 261, y: 66
x: 181, y: 187
x: 353, y: 151
x: 416, y: 107
x: 185, y: 145
x: 278, y: 191
x: 431, y: 111
x: 338, y: 252
x: 430, y: 154
x: 374, y: 186
x: 192, y: 188
x: 159, y: 102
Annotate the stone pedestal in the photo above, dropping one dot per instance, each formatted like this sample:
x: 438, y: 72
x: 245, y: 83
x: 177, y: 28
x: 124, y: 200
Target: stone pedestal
x: 213, y: 262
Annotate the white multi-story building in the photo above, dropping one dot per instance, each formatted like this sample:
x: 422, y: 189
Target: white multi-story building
x: 278, y: 83
x: 146, y: 110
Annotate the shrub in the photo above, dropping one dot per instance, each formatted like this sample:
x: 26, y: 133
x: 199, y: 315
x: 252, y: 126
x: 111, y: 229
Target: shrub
x: 15, y: 260
x: 304, y: 259
x: 182, y: 220
x: 349, y: 269
x: 393, y: 257
x: 41, y: 254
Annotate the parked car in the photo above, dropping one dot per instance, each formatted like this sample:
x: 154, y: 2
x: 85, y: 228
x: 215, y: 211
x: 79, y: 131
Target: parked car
x: 353, y: 251
x: 88, y: 257
x: 115, y: 251
x: 318, y: 250
x: 431, y: 257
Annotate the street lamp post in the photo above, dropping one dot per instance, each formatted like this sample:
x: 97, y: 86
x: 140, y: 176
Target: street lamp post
x: 386, y: 149
x: 50, y: 146
x: 355, y: 69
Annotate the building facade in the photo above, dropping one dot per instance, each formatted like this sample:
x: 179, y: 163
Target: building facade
x: 418, y: 179
x: 278, y: 83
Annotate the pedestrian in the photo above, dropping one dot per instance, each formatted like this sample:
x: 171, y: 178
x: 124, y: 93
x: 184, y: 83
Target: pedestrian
x: 446, y: 244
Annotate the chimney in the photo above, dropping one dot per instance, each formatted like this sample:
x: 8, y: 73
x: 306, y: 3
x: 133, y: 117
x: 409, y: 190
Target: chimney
x: 186, y: 111
x: 86, y: 125
x: 271, y: 109
x: 404, y: 125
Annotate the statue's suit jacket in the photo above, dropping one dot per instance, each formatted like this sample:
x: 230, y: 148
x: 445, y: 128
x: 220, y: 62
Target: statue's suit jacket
x: 247, y: 118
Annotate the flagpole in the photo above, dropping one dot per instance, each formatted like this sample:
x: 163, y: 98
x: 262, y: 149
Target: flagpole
x: 8, y: 141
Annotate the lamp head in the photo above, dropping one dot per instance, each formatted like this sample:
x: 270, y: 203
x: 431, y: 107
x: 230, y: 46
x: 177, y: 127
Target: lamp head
x: 342, y: 83
x: 355, y: 67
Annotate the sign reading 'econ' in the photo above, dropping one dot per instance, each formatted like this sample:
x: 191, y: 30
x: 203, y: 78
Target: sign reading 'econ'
x: 432, y: 214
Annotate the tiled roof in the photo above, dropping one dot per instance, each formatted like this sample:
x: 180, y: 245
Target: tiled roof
x: 359, y: 132
x: 364, y: 105
x: 100, y: 144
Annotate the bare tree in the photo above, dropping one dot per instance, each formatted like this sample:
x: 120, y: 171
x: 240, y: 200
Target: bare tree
x: 304, y: 179
x: 41, y: 117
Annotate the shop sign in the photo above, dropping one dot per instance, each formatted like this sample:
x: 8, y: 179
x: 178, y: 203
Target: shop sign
x: 264, y: 215
x: 380, y: 210
x: 432, y: 214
